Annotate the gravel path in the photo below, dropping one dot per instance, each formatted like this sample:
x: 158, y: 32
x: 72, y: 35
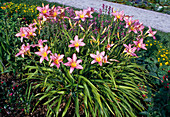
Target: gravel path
x: 156, y: 20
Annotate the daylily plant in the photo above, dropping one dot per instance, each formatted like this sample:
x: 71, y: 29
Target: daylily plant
x: 105, y: 38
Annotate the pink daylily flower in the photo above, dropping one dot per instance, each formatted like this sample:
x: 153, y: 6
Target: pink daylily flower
x: 24, y: 49
x: 44, y: 12
x: 30, y: 32
x: 74, y: 63
x: 151, y: 33
x: 130, y: 51
x: 98, y: 57
x: 57, y: 60
x: 133, y: 28
x: 32, y: 26
x: 62, y: 12
x: 89, y: 11
x: 44, y: 9
x: 43, y: 53
x: 118, y: 15
x: 140, y: 27
x: 54, y: 12
x: 105, y: 60
x: 23, y: 33
x: 139, y: 43
x: 81, y: 14
x: 40, y: 43
x: 109, y: 46
x: 76, y: 43
x: 128, y: 21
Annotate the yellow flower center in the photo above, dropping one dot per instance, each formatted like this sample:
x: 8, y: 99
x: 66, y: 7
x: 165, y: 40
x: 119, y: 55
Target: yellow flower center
x: 132, y: 28
x: 44, y: 11
x: 44, y: 54
x: 98, y: 59
x: 56, y: 61
x: 73, y: 64
x: 81, y: 16
x: 55, y: 14
x: 108, y: 46
x: 130, y: 23
x: 130, y: 50
x: 139, y: 45
x: 30, y: 33
x: 76, y: 44
x: 23, y: 35
x: 118, y: 16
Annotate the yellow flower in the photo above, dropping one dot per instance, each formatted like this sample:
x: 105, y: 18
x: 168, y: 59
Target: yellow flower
x: 162, y: 55
x: 166, y: 63
x: 146, y: 44
x: 160, y: 64
x: 148, y: 41
x: 158, y: 59
x: 150, y: 44
x: 163, y: 59
x: 3, y: 8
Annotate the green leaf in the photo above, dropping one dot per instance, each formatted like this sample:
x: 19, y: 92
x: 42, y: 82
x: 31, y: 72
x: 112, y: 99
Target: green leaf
x: 77, y: 106
x: 50, y: 100
x: 58, y: 105
x: 66, y: 107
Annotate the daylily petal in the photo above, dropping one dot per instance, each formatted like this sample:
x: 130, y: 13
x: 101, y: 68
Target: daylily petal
x: 79, y: 67
x: 71, y: 45
x: 94, y: 61
x: 77, y: 49
x: 71, y: 69
x: 79, y: 61
x: 41, y: 59
x: 74, y: 57
x: 93, y: 55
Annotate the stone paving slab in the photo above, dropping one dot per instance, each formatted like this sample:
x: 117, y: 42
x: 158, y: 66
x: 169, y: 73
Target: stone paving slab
x: 159, y: 21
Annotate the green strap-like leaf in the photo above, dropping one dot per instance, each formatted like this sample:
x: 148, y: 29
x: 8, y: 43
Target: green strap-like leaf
x: 77, y: 106
x: 66, y: 107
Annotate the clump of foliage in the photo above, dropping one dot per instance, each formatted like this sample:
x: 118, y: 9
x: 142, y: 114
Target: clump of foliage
x: 98, y: 77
